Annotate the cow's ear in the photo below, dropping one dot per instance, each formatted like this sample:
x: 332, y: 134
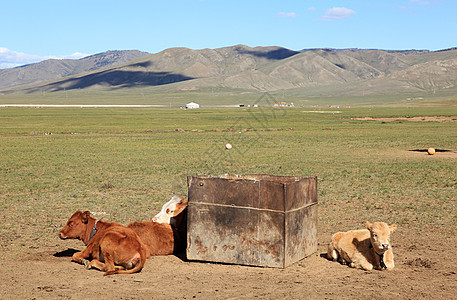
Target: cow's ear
x: 85, y: 217
x: 392, y: 228
x: 368, y: 225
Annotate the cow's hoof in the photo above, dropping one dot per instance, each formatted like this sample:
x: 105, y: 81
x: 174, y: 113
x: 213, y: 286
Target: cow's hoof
x: 86, y: 263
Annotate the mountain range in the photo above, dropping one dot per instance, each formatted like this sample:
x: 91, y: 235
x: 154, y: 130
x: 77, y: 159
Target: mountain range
x: 305, y: 73
x: 53, y: 69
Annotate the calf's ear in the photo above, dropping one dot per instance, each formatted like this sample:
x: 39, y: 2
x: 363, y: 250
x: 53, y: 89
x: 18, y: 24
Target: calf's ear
x: 392, y: 228
x: 85, y: 217
x: 368, y: 225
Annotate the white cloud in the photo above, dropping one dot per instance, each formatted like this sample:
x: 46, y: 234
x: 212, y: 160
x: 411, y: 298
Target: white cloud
x: 421, y: 2
x: 407, y: 9
x: 287, y: 14
x: 76, y: 55
x: 12, y: 59
x: 337, y: 13
x: 312, y: 8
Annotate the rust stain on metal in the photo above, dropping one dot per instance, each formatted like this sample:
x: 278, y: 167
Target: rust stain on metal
x: 259, y: 220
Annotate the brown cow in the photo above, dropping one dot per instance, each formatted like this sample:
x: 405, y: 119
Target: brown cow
x: 365, y: 248
x: 119, y: 247
x: 164, y: 238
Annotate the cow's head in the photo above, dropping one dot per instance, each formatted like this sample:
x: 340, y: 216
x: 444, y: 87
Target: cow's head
x: 380, y: 235
x: 76, y: 226
x: 170, y: 209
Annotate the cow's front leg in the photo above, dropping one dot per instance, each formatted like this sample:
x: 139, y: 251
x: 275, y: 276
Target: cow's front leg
x: 96, y: 264
x: 359, y: 261
x: 107, y: 267
x: 389, y: 260
x: 81, y: 257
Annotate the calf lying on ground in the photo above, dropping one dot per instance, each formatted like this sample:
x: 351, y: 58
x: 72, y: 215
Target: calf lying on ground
x: 117, y: 246
x: 366, y: 248
x: 168, y: 210
x: 167, y: 237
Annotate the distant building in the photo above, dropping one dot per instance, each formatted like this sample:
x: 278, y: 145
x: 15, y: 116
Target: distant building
x: 284, y: 104
x: 192, y: 105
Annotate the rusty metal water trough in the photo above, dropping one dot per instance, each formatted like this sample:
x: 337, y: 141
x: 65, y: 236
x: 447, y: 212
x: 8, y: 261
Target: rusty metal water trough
x: 257, y: 220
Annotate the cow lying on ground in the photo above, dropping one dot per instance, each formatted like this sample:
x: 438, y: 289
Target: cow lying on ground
x: 111, y: 247
x: 365, y: 249
x: 168, y: 210
x: 166, y: 234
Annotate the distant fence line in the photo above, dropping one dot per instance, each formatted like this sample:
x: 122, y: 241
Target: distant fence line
x: 107, y: 105
x: 81, y: 105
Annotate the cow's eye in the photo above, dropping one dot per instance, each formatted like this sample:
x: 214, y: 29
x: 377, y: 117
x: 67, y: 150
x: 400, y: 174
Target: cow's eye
x: 375, y: 235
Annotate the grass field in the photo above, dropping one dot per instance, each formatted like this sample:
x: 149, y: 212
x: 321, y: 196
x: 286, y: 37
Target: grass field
x: 167, y: 95
x: 128, y: 162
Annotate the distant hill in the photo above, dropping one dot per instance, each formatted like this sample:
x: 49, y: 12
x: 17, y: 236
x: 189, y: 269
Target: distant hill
x: 52, y: 69
x: 306, y: 73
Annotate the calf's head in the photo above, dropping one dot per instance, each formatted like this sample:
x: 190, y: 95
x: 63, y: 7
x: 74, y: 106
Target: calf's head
x: 170, y: 209
x: 76, y: 226
x: 380, y: 235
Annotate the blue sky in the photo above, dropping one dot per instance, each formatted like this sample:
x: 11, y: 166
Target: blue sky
x: 31, y: 31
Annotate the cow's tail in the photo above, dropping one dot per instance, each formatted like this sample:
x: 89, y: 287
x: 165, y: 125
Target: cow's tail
x: 332, y: 253
x: 139, y: 258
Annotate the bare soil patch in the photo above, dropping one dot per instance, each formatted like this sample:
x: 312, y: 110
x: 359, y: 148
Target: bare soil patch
x: 423, y: 152
x: 417, y: 154
x: 40, y: 268
x: 413, y: 119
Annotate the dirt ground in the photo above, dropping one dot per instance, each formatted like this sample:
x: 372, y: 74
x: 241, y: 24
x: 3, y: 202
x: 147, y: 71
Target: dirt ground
x: 423, y: 152
x: 413, y: 119
x: 426, y: 267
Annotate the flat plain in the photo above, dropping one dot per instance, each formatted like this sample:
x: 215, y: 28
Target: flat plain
x: 124, y: 163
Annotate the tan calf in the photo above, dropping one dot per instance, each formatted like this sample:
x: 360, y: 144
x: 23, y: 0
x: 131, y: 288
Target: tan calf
x: 111, y: 247
x: 365, y: 249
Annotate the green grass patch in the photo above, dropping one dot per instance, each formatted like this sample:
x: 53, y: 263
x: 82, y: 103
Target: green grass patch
x: 128, y: 162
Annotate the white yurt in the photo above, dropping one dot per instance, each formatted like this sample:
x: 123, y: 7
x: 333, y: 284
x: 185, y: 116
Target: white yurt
x: 192, y: 105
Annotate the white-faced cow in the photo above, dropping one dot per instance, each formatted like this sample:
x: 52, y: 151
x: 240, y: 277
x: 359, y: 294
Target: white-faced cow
x: 168, y: 210
x: 166, y: 234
